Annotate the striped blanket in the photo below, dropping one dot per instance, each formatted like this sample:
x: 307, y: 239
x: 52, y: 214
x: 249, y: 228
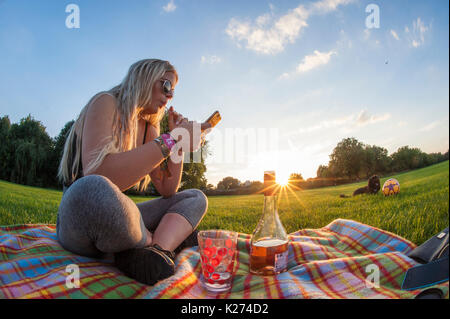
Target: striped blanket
x: 344, y: 259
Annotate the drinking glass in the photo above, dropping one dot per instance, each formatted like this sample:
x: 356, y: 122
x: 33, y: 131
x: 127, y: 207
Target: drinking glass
x: 217, y: 254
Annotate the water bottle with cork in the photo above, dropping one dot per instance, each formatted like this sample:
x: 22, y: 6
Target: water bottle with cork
x: 269, y: 243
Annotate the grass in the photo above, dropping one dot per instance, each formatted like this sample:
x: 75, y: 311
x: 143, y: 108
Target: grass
x: 417, y: 213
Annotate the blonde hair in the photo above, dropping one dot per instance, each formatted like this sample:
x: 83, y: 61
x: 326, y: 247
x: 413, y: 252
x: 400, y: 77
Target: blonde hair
x: 131, y: 95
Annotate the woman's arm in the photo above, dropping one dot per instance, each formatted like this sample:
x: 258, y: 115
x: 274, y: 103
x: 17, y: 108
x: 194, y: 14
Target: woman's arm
x: 124, y: 169
x: 167, y: 181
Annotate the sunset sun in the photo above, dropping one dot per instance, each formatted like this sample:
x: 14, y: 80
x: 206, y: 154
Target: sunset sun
x: 283, y: 179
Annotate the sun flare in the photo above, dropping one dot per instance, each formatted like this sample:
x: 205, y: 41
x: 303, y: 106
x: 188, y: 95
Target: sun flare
x: 283, y: 179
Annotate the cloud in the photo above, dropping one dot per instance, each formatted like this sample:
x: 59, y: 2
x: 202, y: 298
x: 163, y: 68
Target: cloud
x: 268, y: 35
x: 395, y: 35
x: 430, y: 126
x: 311, y: 62
x: 315, y: 60
x: 347, y: 123
x: 170, y: 6
x: 416, y: 36
x: 325, y: 6
x: 212, y: 59
x: 267, y: 38
x: 364, y: 118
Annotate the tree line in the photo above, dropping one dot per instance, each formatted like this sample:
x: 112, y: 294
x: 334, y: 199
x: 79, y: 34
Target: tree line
x: 29, y: 156
x: 350, y: 161
x: 353, y: 159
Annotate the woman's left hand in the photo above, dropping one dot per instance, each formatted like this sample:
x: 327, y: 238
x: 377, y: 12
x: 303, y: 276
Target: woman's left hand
x: 175, y: 118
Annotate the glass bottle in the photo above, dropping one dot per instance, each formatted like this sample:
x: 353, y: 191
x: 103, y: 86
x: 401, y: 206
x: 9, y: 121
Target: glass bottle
x: 269, y: 243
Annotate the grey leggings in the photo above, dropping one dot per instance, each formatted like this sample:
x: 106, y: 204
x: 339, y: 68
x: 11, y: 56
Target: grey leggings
x: 95, y: 217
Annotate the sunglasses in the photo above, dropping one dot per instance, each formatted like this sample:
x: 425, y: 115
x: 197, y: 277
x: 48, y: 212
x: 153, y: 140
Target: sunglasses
x: 167, y: 86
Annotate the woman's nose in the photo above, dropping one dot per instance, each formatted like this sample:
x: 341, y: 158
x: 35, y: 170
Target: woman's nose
x: 169, y: 94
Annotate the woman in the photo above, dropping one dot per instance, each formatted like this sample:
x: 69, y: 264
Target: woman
x: 115, y: 144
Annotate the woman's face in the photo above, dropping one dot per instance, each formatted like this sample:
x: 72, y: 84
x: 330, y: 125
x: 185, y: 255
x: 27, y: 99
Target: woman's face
x: 159, y: 97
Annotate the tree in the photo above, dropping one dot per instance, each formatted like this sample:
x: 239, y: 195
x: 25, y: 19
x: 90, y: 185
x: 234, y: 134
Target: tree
x: 295, y: 179
x: 60, y: 140
x: 376, y: 160
x: 347, y: 158
x: 193, y: 176
x: 433, y: 158
x: 256, y: 186
x: 228, y: 183
x: 58, y: 149
x: 5, y: 145
x: 324, y: 172
x: 407, y: 158
x: 32, y: 149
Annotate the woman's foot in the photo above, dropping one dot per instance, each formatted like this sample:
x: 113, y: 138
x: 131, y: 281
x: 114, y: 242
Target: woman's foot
x: 147, y: 265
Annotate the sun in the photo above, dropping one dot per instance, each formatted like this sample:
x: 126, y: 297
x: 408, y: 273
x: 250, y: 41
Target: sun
x: 283, y: 179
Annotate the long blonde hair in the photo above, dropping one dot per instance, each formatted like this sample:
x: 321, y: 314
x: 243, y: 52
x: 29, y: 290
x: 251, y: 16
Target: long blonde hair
x: 131, y: 95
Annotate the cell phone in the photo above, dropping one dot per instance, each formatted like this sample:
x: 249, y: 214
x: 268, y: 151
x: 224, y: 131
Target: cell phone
x: 214, y: 119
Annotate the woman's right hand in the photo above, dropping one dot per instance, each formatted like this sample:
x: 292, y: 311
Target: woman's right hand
x: 191, y: 129
x: 180, y: 127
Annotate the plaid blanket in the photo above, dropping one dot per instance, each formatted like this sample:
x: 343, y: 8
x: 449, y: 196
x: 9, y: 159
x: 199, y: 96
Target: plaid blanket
x: 344, y: 259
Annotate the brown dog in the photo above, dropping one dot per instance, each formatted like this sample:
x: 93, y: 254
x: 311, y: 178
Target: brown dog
x: 373, y: 186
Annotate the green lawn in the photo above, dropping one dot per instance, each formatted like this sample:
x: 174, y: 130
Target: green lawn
x: 417, y: 213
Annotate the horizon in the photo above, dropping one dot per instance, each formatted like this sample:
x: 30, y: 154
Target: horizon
x: 312, y: 71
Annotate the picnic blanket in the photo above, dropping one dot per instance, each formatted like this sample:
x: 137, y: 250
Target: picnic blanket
x: 345, y: 259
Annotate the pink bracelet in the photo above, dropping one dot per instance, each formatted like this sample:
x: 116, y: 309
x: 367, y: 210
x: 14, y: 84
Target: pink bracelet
x: 168, y: 140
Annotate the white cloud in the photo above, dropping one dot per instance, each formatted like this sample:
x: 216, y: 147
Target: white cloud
x: 395, y: 35
x: 430, y: 126
x: 310, y: 62
x: 263, y: 20
x: 212, y: 59
x: 171, y: 6
x: 325, y: 6
x: 364, y: 118
x: 315, y: 60
x: 268, y: 35
x: 347, y: 123
x: 416, y: 36
x: 268, y: 38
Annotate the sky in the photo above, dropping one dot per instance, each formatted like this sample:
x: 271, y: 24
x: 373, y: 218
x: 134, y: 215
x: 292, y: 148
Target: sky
x: 290, y: 78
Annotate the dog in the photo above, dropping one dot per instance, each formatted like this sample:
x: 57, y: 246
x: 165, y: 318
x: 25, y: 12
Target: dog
x: 373, y: 187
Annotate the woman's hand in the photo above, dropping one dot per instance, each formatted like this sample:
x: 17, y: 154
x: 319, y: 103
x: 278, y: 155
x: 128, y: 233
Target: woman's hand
x: 191, y: 128
x: 174, y: 118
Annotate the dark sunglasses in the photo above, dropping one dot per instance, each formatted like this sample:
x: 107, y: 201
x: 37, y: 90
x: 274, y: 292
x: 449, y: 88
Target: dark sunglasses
x: 167, y: 86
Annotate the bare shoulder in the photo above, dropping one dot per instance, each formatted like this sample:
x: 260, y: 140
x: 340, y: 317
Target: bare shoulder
x: 104, y: 104
x: 98, y: 125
